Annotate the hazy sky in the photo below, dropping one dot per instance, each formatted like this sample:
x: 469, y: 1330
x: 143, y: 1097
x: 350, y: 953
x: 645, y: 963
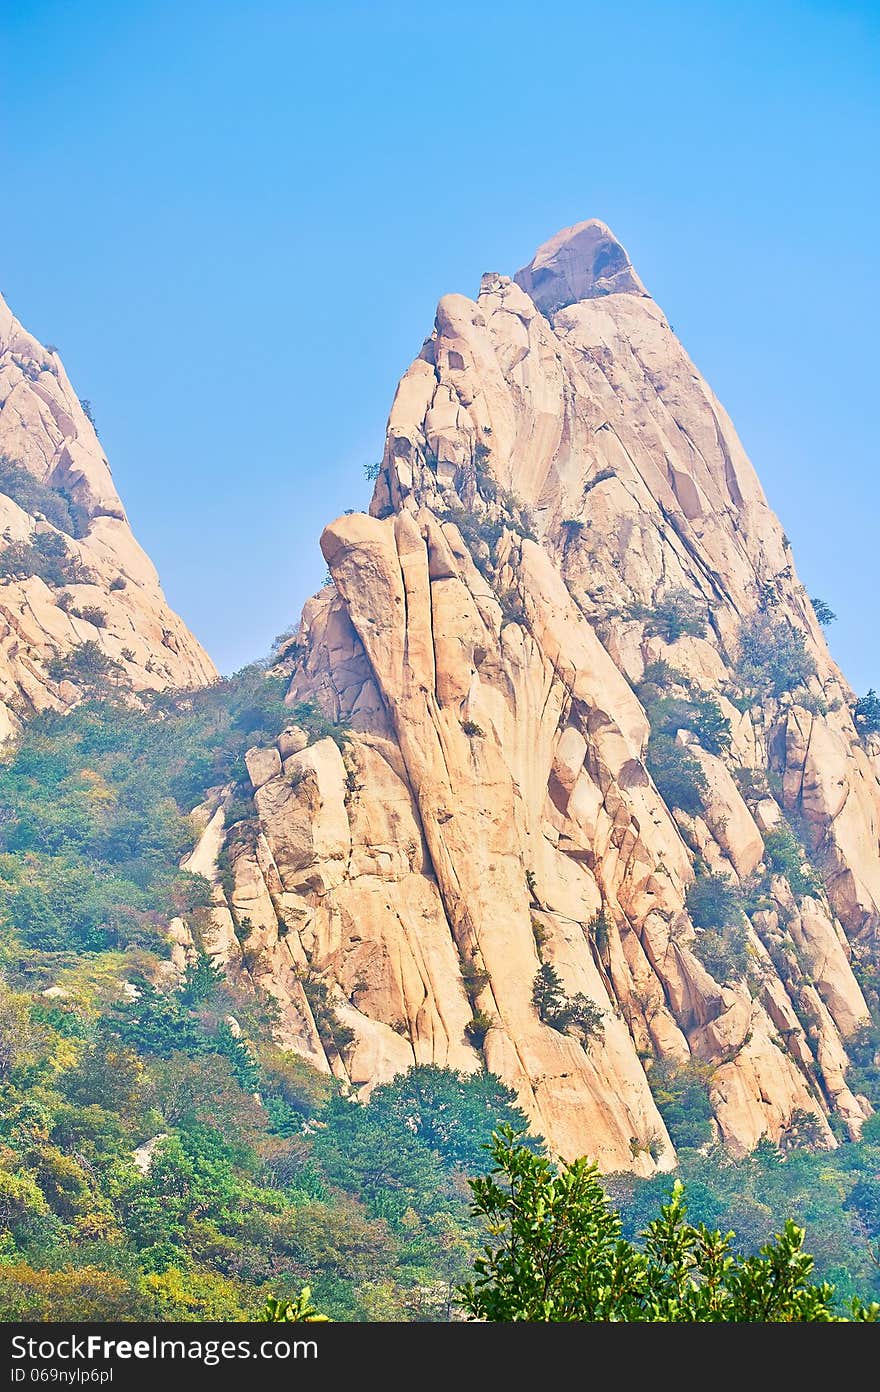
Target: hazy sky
x: 235, y: 221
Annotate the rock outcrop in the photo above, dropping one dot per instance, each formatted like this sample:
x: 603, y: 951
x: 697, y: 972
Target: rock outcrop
x: 579, y: 690
x: 71, y: 572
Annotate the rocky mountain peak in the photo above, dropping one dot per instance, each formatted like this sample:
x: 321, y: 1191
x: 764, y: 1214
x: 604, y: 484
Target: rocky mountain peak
x: 581, y: 262
x: 594, y: 811
x: 80, y: 601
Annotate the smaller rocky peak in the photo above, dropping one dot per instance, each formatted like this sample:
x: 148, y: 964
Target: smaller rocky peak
x: 493, y: 281
x: 580, y: 263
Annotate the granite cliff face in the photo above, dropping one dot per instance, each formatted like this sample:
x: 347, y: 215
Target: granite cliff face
x: 568, y: 554
x: 71, y: 572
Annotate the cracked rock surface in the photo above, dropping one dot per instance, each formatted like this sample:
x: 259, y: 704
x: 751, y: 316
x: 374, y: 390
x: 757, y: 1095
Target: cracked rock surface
x: 555, y: 468
x: 108, y: 592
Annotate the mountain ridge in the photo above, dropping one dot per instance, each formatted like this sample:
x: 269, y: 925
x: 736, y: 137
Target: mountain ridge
x: 73, y: 573
x: 563, y: 512
x: 571, y: 789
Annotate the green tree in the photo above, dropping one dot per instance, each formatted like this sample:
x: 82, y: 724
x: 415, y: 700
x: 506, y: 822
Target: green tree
x: 866, y: 713
x: 240, y: 1059
x: 786, y: 856
x: 203, y: 980
x: 587, y: 1018
x: 773, y: 657
x: 452, y: 1113
x: 558, y: 1254
x: 676, y: 614
x: 88, y: 666
x: 715, y: 905
x: 549, y: 998
x: 19, y: 484
x: 712, y: 726
x: 154, y: 1023
x: 677, y: 773
x: 564, y: 1013
x: 391, y: 1169
x: 681, y: 1093
x: 86, y: 1294
x: 824, y: 613
x: 19, y: 1038
x: 300, y: 1310
x: 714, y: 901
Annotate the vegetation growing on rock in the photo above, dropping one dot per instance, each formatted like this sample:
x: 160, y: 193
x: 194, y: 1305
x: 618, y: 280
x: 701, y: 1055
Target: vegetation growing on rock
x: 773, y: 657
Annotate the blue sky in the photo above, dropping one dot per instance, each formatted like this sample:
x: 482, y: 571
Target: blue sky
x: 236, y: 220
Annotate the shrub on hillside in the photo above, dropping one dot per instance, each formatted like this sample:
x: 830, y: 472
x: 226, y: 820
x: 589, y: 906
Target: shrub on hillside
x: 568, y: 1014
x: 675, y: 615
x: 773, y: 657
x: 866, y: 713
x: 715, y: 905
x: 681, y: 1092
x: 452, y: 1113
x: 93, y: 614
x: 711, y: 726
x: 88, y: 666
x: 677, y: 773
x: 700, y: 713
x: 34, y: 497
x: 44, y: 555
x: 786, y: 856
x: 825, y: 615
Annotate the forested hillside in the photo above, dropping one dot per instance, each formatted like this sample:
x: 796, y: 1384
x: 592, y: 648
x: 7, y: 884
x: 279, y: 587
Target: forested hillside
x: 553, y: 810
x: 162, y: 1158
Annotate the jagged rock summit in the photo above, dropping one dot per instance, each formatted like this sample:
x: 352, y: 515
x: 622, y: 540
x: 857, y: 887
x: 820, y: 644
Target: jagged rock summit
x: 579, y: 263
x: 71, y: 572
x: 587, y: 725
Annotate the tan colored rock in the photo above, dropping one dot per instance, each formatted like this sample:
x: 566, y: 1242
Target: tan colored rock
x: 182, y: 946
x: 728, y: 818
x: 831, y: 779
x: 812, y: 931
x: 555, y: 469
x: 475, y: 846
x: 306, y: 812
x: 44, y: 429
x: 767, y: 815
x: 832, y: 1060
x: 262, y: 764
x: 757, y: 1095
x: 143, y: 1156
x: 291, y: 741
x: 202, y: 860
x: 579, y: 263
